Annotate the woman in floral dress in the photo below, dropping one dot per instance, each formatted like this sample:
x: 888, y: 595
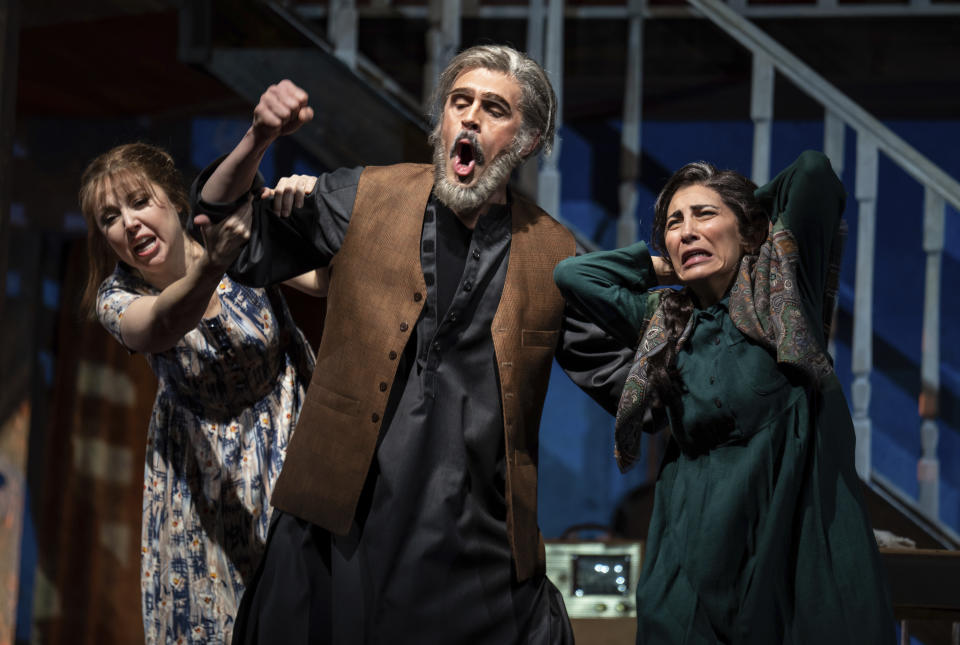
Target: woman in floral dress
x: 232, y: 370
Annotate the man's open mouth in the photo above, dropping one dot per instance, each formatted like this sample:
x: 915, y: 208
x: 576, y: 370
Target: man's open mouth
x: 466, y: 155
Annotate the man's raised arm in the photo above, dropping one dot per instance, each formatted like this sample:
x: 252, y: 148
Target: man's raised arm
x: 282, y: 110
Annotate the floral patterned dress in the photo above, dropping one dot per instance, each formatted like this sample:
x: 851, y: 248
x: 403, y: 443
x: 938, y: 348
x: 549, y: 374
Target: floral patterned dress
x: 228, y: 397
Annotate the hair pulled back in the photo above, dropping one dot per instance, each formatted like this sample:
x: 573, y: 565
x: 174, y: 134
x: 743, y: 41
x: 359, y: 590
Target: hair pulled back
x: 128, y: 166
x: 737, y: 193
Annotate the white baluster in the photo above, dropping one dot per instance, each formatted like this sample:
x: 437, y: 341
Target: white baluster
x: 548, y: 189
x: 443, y: 41
x: 535, y: 31
x: 761, y: 111
x: 630, y: 135
x: 342, y: 30
x: 529, y: 171
x: 928, y: 468
x: 862, y: 363
x: 834, y: 132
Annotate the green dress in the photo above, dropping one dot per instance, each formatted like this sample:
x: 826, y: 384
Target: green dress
x: 759, y: 532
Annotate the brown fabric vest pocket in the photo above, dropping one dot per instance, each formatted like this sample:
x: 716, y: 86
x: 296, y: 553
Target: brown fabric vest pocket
x: 340, y: 403
x: 535, y: 338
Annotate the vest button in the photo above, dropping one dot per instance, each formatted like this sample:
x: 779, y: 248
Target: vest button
x: 404, y: 326
x: 417, y: 297
x: 467, y: 286
x: 383, y: 387
x: 393, y: 356
x: 476, y: 254
x: 374, y: 417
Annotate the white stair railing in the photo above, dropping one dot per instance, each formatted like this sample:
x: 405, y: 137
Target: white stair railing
x: 872, y: 138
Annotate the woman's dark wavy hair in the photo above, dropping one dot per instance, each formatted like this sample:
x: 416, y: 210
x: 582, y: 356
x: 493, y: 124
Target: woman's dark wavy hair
x: 737, y: 193
x: 123, y: 168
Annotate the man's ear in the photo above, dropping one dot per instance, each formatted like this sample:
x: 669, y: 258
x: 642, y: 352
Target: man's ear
x: 530, y: 147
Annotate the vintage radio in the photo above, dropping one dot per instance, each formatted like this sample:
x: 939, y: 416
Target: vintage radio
x: 597, y: 579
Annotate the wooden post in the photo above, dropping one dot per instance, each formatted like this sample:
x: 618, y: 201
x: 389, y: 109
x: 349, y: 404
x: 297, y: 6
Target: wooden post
x: 14, y: 423
x: 194, y: 36
x: 9, y: 31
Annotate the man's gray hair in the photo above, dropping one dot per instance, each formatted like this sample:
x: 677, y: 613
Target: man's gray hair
x: 538, y: 103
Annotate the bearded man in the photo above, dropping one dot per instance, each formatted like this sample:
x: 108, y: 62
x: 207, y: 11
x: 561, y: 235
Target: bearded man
x: 406, y: 509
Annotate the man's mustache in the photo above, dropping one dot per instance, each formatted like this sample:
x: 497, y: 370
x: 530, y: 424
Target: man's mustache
x: 475, y: 151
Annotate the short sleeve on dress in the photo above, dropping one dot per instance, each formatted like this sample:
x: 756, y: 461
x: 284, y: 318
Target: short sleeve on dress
x: 115, y: 294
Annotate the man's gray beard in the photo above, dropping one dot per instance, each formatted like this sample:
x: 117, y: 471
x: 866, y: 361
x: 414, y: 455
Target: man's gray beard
x: 468, y: 199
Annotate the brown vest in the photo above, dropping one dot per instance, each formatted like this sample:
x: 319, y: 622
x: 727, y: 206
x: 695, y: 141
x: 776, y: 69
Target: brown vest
x: 376, y: 294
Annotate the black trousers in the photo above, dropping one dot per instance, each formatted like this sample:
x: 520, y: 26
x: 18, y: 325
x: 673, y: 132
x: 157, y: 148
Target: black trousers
x: 289, y: 598
x: 292, y: 599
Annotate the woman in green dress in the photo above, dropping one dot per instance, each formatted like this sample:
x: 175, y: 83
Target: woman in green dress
x: 759, y: 532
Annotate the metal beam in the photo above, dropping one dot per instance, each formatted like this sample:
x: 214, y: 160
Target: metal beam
x: 383, y: 9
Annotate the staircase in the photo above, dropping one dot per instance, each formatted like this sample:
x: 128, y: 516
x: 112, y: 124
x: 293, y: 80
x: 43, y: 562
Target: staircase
x: 361, y: 118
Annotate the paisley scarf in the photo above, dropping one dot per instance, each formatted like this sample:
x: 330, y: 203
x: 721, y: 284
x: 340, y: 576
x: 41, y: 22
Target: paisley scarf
x: 765, y: 305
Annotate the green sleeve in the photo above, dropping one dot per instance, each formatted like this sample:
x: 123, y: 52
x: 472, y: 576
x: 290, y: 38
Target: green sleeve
x: 611, y: 289
x: 809, y: 199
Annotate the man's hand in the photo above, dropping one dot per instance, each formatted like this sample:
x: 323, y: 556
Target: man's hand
x: 282, y: 109
x: 289, y: 193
